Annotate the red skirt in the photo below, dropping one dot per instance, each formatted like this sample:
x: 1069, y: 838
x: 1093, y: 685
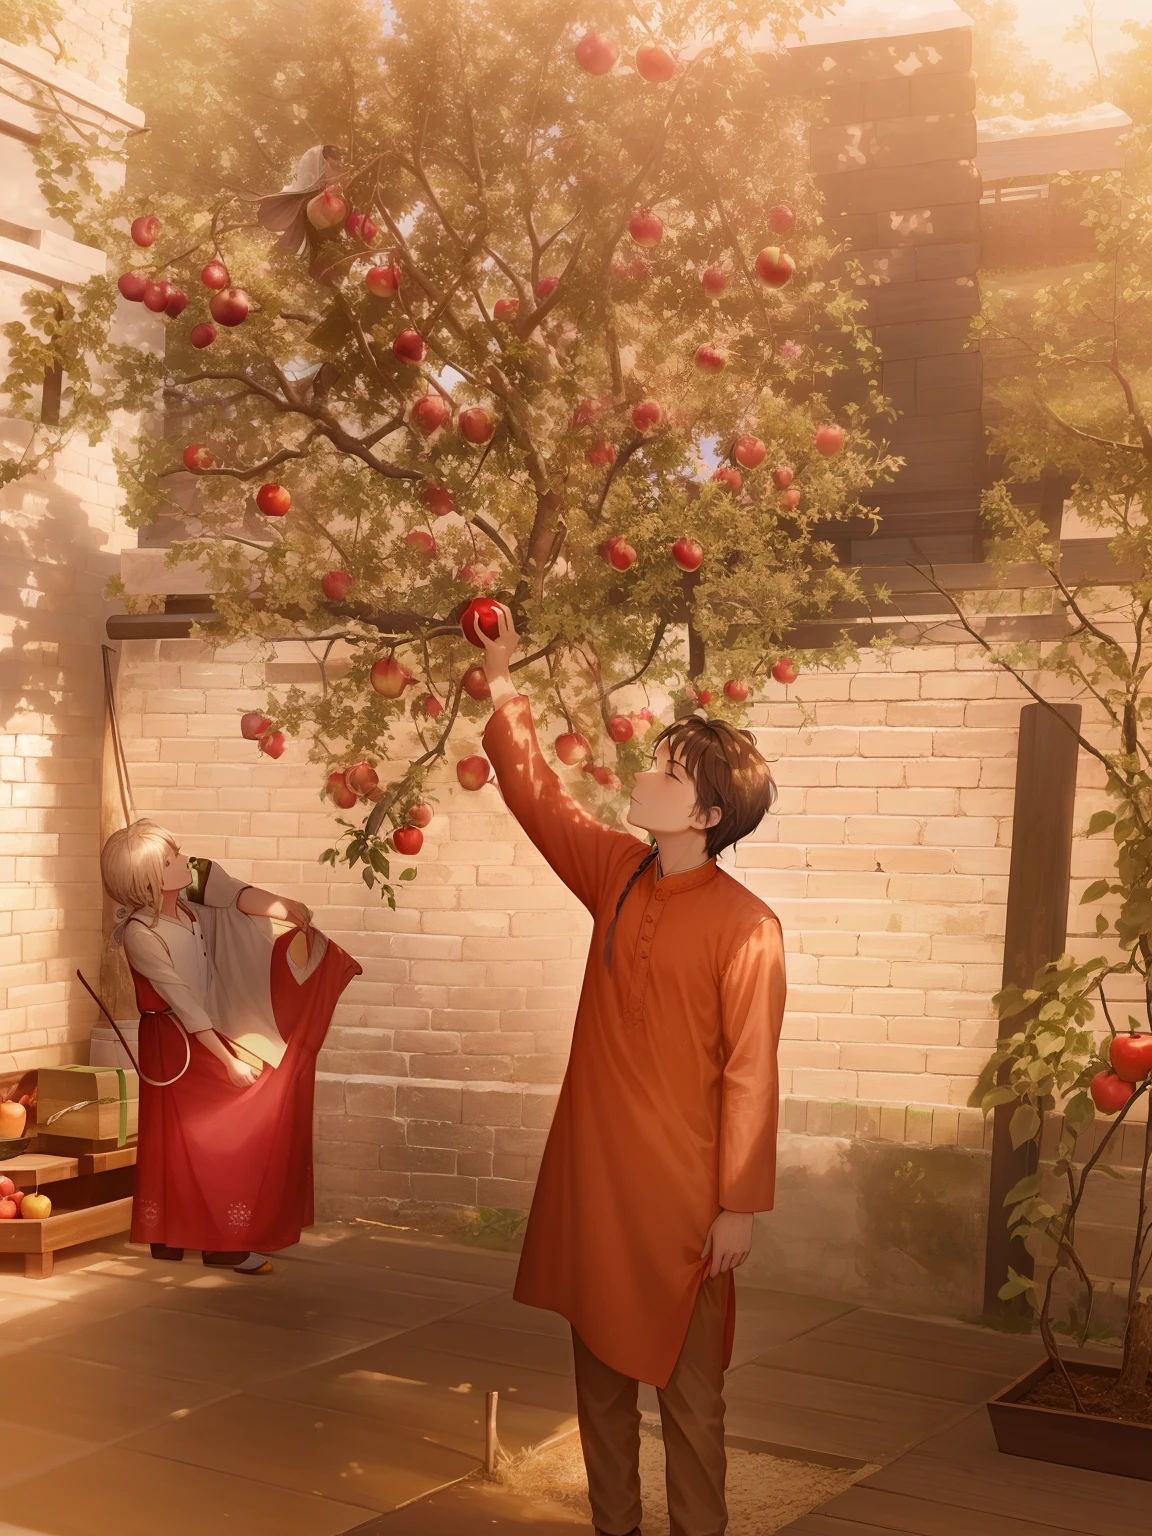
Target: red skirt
x: 225, y: 1168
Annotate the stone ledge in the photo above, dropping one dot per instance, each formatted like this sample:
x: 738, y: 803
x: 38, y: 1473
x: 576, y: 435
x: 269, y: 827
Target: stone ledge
x: 935, y: 1125
x: 31, y: 64
x: 41, y: 254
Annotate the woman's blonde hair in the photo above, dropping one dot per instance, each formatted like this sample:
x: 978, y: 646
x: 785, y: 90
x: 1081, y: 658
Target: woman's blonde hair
x: 132, y: 865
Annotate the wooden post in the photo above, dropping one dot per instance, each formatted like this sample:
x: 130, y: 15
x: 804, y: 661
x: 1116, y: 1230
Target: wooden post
x: 1035, y: 932
x: 491, y: 1439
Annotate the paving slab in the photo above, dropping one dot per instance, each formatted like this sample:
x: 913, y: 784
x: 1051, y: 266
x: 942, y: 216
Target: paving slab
x: 501, y: 1347
x: 476, y: 1509
x: 447, y: 1260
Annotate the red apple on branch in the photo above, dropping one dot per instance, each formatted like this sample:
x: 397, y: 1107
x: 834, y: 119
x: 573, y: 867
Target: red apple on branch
x: 272, y: 745
x: 482, y: 613
x: 432, y: 706
x: 132, y: 286
x: 389, y: 677
x: 476, y: 575
x: 790, y: 498
x: 620, y: 728
x: 736, y: 689
x: 572, y: 748
x: 774, y: 266
x: 476, y: 424
x: 326, y: 210
x: 202, y: 335
x: 362, y: 778
x: 705, y: 696
x: 783, y: 476
x: 156, y: 296
x: 336, y: 585
x: 714, y: 280
x: 785, y: 671
x: 646, y: 415
x: 1109, y: 1092
x: 145, y: 229
x: 340, y: 792
x: 619, y: 554
x: 475, y: 684
x: 177, y: 303
x: 214, y: 274
x: 430, y: 413
x: 781, y: 219
x: 749, y: 451
x: 603, y: 776
x: 829, y: 440
x: 383, y: 282
x: 253, y: 725
x: 420, y: 540
x: 408, y: 841
x: 353, y: 224
x: 732, y: 478
x: 472, y: 772
x: 409, y: 347
x: 709, y: 360
x: 273, y: 500
x: 687, y: 554
x: 645, y: 228
x: 1131, y: 1056
x: 420, y: 814
x: 596, y: 54
x: 439, y: 500
x: 655, y: 63
x: 505, y: 309
x: 196, y: 456
x: 601, y: 455
x: 587, y: 412
x: 230, y: 306
x: 546, y: 286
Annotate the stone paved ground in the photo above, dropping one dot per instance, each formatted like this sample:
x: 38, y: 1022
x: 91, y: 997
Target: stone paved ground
x: 345, y: 1393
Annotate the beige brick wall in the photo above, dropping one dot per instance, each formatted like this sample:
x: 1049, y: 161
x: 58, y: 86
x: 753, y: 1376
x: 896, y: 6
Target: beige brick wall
x: 887, y: 859
x: 60, y: 541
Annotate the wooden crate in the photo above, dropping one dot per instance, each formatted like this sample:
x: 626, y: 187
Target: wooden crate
x: 38, y: 1241
x: 91, y: 1199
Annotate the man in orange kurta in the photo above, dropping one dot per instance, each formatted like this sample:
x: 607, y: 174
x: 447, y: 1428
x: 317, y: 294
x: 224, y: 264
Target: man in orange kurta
x: 664, y: 1140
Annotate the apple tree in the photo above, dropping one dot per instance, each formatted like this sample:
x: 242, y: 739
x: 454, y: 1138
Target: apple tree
x: 552, y: 319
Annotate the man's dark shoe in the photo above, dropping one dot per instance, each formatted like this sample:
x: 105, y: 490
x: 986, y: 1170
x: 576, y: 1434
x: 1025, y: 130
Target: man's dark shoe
x: 162, y: 1251
x: 635, y: 1531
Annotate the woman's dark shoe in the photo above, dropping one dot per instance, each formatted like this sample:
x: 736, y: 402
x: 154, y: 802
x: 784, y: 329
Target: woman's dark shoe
x: 162, y: 1251
x: 225, y: 1260
x: 635, y: 1531
x: 242, y: 1263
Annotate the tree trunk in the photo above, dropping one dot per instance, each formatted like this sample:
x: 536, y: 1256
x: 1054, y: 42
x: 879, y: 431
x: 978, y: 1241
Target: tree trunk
x: 1137, y: 1347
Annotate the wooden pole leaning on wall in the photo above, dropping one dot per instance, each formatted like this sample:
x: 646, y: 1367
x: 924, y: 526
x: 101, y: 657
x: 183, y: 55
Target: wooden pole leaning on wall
x: 1036, y: 930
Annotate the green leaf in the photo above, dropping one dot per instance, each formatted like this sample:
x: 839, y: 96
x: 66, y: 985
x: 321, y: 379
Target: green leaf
x: 1023, y: 1189
x: 407, y: 874
x: 1094, y: 892
x: 1024, y: 1125
x: 1017, y: 1285
x: 369, y: 877
x: 1002, y: 1094
x: 1101, y: 923
x: 1079, y: 1112
x: 1099, y: 820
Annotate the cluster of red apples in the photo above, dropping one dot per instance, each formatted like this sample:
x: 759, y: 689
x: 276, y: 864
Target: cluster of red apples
x: 1131, y: 1058
x: 228, y: 306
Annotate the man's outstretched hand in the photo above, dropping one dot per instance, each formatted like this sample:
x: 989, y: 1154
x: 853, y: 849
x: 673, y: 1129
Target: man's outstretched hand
x: 729, y: 1241
x: 498, y: 656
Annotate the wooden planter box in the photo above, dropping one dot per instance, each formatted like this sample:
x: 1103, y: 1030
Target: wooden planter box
x: 1068, y: 1438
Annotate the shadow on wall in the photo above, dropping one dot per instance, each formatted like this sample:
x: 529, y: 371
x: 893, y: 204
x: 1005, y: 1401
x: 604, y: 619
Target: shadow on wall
x: 895, y: 1226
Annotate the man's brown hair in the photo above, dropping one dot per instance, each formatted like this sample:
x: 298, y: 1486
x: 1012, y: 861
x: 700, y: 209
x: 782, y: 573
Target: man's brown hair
x: 728, y: 772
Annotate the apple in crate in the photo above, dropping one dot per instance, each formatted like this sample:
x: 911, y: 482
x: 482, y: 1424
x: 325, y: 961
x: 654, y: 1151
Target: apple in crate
x: 9, y: 1210
x: 35, y: 1207
x: 7, y: 1188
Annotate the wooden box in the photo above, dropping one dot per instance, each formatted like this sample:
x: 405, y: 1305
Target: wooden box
x: 94, y: 1104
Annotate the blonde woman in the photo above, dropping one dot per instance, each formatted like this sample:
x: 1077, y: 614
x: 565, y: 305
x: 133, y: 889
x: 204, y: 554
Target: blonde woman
x: 224, y: 1162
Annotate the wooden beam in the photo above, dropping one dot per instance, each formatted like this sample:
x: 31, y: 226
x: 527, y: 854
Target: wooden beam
x: 1035, y: 932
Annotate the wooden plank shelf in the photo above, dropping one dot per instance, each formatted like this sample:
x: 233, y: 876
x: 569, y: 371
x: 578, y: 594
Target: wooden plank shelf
x: 91, y: 1199
x: 39, y: 1241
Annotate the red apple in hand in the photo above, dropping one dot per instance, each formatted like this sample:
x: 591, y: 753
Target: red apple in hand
x: 730, y: 477
x: 389, y: 677
x: 340, y: 792
x: 749, y: 451
x: 475, y: 684
x: 783, y: 476
x: 1109, y: 1092
x: 645, y: 228
x: 714, y: 281
x: 196, y: 456
x: 230, y: 306
x: 655, y: 63
x: 774, y: 266
x: 646, y: 415
x: 408, y: 841
x: 619, y: 554
x: 546, y: 286
x: 736, y: 689
x: 272, y: 745
x: 829, y: 440
x: 326, y: 209
x: 482, y: 613
x: 781, y: 219
x: 361, y: 778
x: 1131, y: 1056
x: 709, y: 360
x: 409, y: 347
x: 476, y: 424
x: 145, y: 229
x: 336, y: 585
x: 273, y: 500
x: 420, y: 814
x: 620, y: 728
x: 383, y: 282
x: 214, y: 274
x: 132, y: 286
x: 473, y: 772
x: 596, y: 54
x: 687, y: 554
x: 439, y: 500
x: 601, y: 455
x: 253, y: 725
x: 785, y: 671
x: 202, y: 335
x: 572, y: 748
x: 430, y: 413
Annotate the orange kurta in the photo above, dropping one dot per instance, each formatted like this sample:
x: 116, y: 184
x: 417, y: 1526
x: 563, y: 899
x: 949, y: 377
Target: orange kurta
x: 669, y: 1106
